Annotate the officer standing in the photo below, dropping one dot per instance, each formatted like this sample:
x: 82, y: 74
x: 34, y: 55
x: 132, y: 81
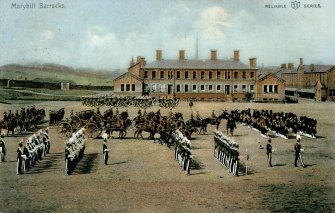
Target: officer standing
x: 19, y: 159
x: 269, y: 152
x: 105, y: 148
x: 3, y: 147
x: 297, y: 149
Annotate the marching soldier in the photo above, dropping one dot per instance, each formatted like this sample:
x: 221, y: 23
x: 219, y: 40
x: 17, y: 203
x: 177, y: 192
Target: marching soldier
x: 269, y: 152
x: 297, y: 149
x: 3, y: 147
x: 19, y: 159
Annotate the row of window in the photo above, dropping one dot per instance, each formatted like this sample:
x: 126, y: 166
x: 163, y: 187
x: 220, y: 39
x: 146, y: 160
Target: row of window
x: 126, y: 87
x: 195, y: 75
x: 203, y: 88
x: 270, y: 88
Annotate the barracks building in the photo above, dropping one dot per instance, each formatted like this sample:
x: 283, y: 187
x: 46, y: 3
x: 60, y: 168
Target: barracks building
x: 312, y: 81
x: 209, y: 79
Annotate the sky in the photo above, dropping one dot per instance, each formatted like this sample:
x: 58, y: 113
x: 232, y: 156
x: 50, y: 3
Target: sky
x: 106, y: 34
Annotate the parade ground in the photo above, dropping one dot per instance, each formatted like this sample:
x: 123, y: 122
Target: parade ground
x: 143, y: 176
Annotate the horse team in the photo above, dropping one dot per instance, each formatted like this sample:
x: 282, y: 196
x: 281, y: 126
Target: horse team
x: 25, y: 120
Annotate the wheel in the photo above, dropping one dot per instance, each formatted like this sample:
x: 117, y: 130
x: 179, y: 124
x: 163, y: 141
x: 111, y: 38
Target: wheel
x: 75, y: 122
x: 64, y: 129
x: 92, y: 130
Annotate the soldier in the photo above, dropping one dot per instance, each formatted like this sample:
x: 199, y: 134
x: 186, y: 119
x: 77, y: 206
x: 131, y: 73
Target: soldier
x: 5, y: 117
x: 297, y: 149
x: 3, y: 147
x: 198, y: 116
x: 139, y: 113
x: 269, y: 152
x: 19, y: 159
x: 98, y: 111
x: 105, y: 148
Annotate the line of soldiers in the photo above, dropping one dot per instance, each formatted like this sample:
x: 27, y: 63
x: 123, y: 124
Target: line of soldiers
x: 279, y: 122
x: 226, y: 151
x: 36, y: 147
x: 182, y: 151
x: 74, y: 150
x: 2, y: 147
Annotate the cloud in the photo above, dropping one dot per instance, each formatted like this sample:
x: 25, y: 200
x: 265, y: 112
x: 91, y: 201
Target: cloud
x: 47, y: 34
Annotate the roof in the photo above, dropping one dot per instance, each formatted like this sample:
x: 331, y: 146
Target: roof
x: 307, y: 69
x: 197, y: 64
x: 317, y: 68
x: 265, y: 75
x: 127, y: 73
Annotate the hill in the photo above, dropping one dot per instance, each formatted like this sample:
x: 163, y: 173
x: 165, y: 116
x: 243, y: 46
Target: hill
x: 57, y: 73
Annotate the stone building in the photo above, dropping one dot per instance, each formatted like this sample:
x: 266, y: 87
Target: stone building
x: 312, y: 80
x: 210, y: 79
x: 270, y: 87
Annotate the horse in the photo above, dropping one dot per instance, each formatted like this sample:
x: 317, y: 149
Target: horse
x: 147, y: 126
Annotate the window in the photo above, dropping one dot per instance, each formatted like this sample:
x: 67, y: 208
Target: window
x: 153, y: 75
x: 162, y: 75
x: 133, y: 87
x: 270, y: 88
x: 186, y: 88
x: 235, y: 75
x: 210, y: 75
x: 218, y: 87
x: 210, y: 87
x: 178, y: 87
x: 145, y: 74
x: 170, y: 76
x: 251, y: 88
x: 252, y: 74
x: 202, y: 87
x: 194, y: 75
x: 127, y: 87
x: 162, y: 88
x: 235, y: 88
x: 244, y: 75
x: 244, y: 88
x: 153, y: 87
x: 227, y: 75
x: 202, y: 76
x: 186, y: 75
x: 332, y: 92
x: 122, y: 87
x: 218, y: 75
x: 194, y: 87
x: 178, y: 74
x: 275, y: 88
x: 265, y: 88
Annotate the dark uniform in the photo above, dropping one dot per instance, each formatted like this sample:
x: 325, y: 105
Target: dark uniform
x: 269, y: 152
x: 19, y: 159
x: 298, y: 157
x: 105, y: 151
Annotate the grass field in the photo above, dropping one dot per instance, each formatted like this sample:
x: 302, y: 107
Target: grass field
x: 143, y: 176
x: 42, y: 94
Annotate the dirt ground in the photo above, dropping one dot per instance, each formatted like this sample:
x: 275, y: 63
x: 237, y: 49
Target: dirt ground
x: 143, y: 176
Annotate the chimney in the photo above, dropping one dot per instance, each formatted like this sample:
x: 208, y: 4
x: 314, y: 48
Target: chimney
x: 181, y: 54
x: 290, y: 66
x: 301, y: 61
x: 236, y: 55
x: 283, y: 66
x: 252, y: 62
x: 158, y: 55
x: 312, y: 67
x: 213, y: 55
x: 141, y: 60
